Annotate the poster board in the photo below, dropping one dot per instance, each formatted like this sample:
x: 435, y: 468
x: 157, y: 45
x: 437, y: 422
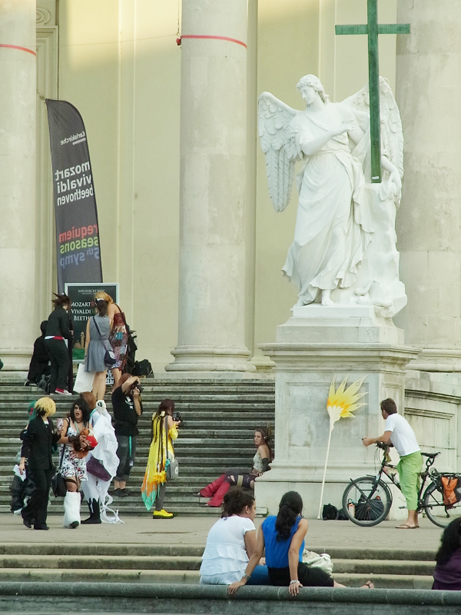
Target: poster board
x: 82, y: 297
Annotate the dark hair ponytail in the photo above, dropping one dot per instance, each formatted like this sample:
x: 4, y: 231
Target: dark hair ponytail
x: 236, y: 499
x: 290, y: 508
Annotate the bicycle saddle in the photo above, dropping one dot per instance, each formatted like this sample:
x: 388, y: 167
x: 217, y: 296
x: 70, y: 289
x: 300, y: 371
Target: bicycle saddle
x: 430, y: 455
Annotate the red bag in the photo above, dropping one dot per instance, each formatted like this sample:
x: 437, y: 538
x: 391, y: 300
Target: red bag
x: 449, y: 486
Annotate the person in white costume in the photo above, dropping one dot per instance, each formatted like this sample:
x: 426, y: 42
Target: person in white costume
x: 96, y: 488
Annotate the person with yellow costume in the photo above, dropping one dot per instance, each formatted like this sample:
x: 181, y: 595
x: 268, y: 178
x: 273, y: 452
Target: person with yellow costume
x: 164, y: 431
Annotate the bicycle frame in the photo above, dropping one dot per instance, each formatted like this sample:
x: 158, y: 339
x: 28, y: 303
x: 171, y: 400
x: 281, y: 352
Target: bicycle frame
x: 425, y: 474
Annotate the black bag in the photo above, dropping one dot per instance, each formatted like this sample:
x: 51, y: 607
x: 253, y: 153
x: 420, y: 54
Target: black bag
x: 142, y: 368
x: 329, y: 512
x: 131, y: 348
x: 109, y: 357
x: 58, y: 484
x: 367, y: 508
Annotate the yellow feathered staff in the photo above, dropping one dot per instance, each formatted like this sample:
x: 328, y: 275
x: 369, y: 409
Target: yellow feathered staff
x: 340, y: 405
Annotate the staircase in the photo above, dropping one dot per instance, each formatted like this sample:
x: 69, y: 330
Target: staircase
x: 217, y: 434
x: 154, y: 563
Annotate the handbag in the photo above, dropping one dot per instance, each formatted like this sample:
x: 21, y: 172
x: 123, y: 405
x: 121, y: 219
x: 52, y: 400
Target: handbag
x: 109, y: 357
x: 172, y: 469
x: 318, y: 560
x: 84, y: 380
x: 58, y: 484
x: 95, y: 467
x: 171, y: 465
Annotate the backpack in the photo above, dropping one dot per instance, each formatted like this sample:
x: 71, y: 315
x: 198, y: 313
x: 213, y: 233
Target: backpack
x: 142, y: 368
x: 450, y: 496
x: 329, y: 512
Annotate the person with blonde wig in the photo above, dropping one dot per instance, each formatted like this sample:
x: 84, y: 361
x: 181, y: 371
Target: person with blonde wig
x: 38, y: 440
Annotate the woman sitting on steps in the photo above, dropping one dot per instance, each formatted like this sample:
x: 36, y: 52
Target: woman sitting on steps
x: 218, y: 488
x: 282, y: 539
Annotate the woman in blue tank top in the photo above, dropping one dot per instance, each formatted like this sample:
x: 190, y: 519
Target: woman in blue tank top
x: 282, y: 537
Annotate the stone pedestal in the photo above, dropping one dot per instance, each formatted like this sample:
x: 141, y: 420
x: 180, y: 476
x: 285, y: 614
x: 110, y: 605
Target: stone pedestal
x: 316, y: 345
x: 17, y: 182
x: 211, y: 330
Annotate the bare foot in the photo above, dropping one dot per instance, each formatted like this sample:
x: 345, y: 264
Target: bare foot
x: 368, y: 585
x: 326, y: 298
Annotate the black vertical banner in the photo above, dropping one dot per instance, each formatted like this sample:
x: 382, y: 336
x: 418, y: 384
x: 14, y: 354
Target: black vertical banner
x: 77, y: 230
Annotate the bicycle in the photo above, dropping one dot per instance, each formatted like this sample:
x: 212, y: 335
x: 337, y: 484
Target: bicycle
x: 368, y: 499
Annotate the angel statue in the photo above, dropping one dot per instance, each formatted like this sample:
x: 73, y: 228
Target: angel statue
x: 344, y: 248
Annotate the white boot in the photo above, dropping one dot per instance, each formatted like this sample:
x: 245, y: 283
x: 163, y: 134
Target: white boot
x: 72, y: 509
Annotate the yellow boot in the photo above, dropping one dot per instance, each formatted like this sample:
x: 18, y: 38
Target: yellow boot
x: 162, y: 514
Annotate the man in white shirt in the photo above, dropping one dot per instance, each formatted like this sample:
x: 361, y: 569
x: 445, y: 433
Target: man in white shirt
x: 399, y: 432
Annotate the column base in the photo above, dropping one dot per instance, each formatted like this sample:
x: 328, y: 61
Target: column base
x: 15, y: 360
x: 210, y: 359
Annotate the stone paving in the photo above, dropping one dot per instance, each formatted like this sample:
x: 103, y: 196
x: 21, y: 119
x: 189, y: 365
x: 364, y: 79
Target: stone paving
x: 193, y: 531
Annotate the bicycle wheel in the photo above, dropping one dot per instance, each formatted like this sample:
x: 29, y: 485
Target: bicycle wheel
x: 436, y: 510
x: 367, y: 501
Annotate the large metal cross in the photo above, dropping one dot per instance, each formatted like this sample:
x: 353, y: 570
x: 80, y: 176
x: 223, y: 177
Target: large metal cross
x: 373, y: 29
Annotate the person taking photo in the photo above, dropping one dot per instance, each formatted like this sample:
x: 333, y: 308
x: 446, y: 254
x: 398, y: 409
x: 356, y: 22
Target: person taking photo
x: 127, y: 407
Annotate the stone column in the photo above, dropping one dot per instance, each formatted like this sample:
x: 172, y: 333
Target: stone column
x: 428, y: 94
x: 213, y: 186
x: 17, y: 181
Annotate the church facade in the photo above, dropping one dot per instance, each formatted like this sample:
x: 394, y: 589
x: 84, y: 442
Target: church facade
x: 186, y: 224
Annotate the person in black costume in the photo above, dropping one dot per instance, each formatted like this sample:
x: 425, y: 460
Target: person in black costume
x: 58, y: 329
x: 38, y: 367
x: 38, y: 440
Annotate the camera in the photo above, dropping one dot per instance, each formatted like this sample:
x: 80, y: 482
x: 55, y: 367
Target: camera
x: 136, y: 385
x: 177, y: 417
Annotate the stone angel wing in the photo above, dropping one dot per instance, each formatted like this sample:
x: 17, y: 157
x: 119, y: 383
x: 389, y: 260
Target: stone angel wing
x: 390, y: 124
x: 279, y: 147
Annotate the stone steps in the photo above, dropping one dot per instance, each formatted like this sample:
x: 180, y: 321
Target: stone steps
x: 219, y: 420
x: 121, y: 563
